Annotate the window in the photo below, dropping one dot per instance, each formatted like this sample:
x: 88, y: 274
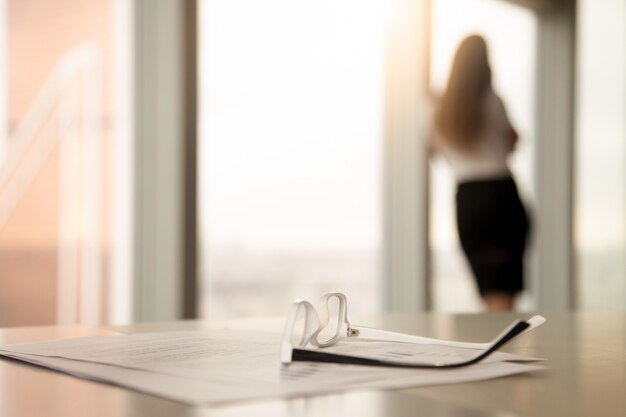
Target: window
x: 600, y: 182
x: 291, y: 107
x: 510, y: 31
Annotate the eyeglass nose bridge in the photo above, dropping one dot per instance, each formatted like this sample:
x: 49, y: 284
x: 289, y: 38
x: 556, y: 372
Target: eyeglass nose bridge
x: 311, y: 321
x: 310, y: 324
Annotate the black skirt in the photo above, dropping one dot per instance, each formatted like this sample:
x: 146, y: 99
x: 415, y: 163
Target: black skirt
x: 493, y: 229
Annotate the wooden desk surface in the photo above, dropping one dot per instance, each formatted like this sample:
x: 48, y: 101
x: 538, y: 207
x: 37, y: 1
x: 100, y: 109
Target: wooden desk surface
x: 585, y: 375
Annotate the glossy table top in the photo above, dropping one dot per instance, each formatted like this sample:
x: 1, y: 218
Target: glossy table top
x: 585, y: 375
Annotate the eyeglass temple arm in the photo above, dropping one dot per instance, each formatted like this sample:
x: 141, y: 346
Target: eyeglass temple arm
x: 387, y: 336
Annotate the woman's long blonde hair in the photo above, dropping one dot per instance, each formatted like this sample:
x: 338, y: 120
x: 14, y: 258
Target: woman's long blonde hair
x: 460, y: 113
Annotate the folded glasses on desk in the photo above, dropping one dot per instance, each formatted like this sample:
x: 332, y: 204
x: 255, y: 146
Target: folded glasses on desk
x: 306, y: 327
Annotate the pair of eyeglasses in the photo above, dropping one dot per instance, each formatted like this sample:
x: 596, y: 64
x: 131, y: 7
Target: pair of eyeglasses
x: 305, y: 327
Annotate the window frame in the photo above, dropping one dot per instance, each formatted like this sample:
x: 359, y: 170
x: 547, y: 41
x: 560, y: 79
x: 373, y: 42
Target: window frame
x: 164, y: 206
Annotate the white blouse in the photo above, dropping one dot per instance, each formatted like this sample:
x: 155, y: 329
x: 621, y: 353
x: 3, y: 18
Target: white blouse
x: 488, y: 159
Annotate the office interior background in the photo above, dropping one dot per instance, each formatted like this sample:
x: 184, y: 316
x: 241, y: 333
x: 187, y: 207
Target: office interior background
x: 164, y: 159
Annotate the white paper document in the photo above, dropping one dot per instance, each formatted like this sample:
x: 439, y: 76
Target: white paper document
x: 219, y: 366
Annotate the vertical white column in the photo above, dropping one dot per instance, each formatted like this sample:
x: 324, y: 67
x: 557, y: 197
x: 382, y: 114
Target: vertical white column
x: 66, y: 95
x: 3, y: 113
x: 3, y: 80
x: 406, y: 160
x: 91, y: 186
x: 120, y: 288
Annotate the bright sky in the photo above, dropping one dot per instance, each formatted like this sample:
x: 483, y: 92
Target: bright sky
x: 292, y: 117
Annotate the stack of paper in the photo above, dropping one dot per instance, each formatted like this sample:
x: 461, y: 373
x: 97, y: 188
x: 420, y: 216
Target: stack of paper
x: 217, y: 366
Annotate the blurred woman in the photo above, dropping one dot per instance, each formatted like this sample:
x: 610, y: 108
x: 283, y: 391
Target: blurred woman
x: 474, y: 134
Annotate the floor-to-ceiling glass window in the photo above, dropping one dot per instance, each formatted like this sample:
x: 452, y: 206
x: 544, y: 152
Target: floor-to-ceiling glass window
x: 510, y: 31
x: 600, y: 156
x: 291, y: 107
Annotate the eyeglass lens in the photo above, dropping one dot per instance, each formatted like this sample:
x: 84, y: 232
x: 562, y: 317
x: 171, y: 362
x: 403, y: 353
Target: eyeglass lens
x: 299, y: 329
x: 333, y: 327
